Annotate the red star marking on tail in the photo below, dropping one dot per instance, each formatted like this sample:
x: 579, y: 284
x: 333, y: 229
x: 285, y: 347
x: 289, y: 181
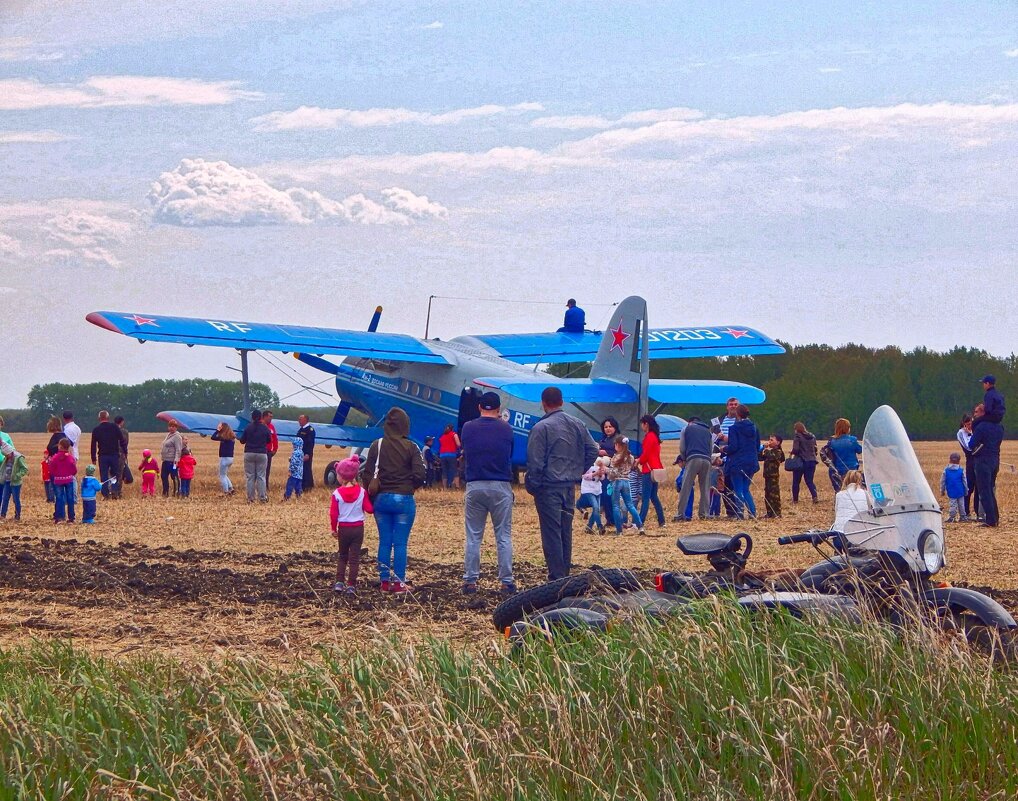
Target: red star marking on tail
x: 619, y: 338
x: 736, y: 333
x: 139, y: 320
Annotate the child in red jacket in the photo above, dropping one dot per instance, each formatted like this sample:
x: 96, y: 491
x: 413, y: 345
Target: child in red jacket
x: 185, y: 469
x: 350, y: 503
x: 47, y: 482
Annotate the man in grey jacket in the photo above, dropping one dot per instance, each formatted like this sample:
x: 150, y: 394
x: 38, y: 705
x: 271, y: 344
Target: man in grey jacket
x: 559, y: 451
x: 695, y: 448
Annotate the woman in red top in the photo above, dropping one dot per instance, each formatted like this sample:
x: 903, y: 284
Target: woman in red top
x: 448, y: 453
x: 650, y: 459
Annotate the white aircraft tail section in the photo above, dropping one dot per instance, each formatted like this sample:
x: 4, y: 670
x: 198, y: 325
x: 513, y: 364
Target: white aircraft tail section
x: 623, y: 357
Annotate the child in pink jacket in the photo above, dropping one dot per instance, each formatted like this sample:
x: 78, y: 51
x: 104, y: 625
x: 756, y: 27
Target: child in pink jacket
x: 349, y: 504
x: 62, y: 469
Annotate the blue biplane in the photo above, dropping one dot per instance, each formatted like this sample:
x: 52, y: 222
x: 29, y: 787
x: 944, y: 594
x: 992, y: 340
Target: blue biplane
x: 439, y: 382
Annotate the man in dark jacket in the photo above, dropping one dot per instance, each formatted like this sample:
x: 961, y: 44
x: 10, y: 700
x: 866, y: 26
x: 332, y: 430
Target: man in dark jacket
x: 487, y: 443
x: 695, y: 445
x: 993, y: 401
x: 985, y: 447
x: 559, y: 451
x: 255, y: 439
x: 108, y: 440
x: 125, y: 476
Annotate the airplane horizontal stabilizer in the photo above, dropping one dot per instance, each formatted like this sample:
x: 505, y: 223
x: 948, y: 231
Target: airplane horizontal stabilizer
x: 703, y: 392
x: 325, y: 433
x: 663, y: 343
x: 574, y: 390
x: 671, y: 426
x: 265, y: 336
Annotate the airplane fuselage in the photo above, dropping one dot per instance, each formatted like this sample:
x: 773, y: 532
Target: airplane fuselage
x: 431, y: 395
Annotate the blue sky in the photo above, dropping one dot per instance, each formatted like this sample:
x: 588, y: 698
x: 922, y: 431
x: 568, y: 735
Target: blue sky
x: 821, y: 171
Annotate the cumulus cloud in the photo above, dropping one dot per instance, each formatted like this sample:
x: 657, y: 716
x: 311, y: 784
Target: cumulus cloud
x: 9, y: 247
x: 21, y: 94
x: 32, y: 137
x: 20, y: 48
x: 315, y: 118
x: 203, y: 193
x: 433, y: 26
x: 582, y: 122
x: 85, y: 236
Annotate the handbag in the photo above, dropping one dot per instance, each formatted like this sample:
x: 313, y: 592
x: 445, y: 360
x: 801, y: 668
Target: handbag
x: 374, y: 486
x: 658, y: 474
x: 793, y: 463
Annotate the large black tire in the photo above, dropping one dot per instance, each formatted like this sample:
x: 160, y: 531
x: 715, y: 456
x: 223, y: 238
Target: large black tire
x: 331, y: 477
x: 524, y: 603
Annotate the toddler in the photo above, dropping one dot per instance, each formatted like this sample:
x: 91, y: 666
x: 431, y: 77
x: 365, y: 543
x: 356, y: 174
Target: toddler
x: 185, y: 471
x: 772, y: 456
x: 590, y: 493
x: 349, y: 504
x: 13, y: 468
x: 90, y: 486
x: 716, y: 482
x: 149, y: 469
x: 955, y: 486
x: 295, y: 477
x: 47, y: 482
x: 63, y: 468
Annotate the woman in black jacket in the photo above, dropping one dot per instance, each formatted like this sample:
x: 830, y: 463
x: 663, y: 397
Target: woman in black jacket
x: 804, y: 446
x: 227, y: 440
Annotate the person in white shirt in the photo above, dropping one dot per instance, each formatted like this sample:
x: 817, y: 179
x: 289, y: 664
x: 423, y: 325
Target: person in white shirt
x: 849, y: 501
x: 72, y: 431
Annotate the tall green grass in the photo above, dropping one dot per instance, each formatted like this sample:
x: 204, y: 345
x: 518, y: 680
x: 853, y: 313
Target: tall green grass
x: 718, y: 705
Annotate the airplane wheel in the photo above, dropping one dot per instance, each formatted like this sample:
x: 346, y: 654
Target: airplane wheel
x: 331, y: 477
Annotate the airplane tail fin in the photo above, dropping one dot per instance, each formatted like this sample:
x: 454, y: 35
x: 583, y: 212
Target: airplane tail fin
x: 623, y: 357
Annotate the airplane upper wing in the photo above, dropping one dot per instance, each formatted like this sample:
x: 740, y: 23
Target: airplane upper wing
x: 325, y: 433
x: 264, y: 336
x: 664, y: 343
x: 665, y: 390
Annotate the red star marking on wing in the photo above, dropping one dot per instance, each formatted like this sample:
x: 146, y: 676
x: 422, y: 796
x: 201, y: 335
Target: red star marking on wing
x: 139, y: 320
x: 619, y: 338
x: 736, y: 333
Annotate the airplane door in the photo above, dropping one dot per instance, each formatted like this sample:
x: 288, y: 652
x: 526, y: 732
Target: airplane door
x: 469, y: 398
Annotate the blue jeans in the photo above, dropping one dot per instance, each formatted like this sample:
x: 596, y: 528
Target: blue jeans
x: 185, y: 488
x: 64, y: 502
x: 650, y: 496
x: 449, y: 466
x: 87, y: 510
x: 394, y: 516
x: 739, y: 482
x: 294, y: 485
x: 589, y: 500
x: 622, y: 499
x: 51, y: 494
x: 8, y: 491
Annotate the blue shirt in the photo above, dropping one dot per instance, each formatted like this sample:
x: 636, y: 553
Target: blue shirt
x: 89, y: 487
x: 487, y: 449
x: 575, y: 320
x: 846, y: 450
x: 993, y: 405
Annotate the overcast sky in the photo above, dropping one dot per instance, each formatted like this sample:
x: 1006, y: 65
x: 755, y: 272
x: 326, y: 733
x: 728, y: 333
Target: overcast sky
x: 829, y: 171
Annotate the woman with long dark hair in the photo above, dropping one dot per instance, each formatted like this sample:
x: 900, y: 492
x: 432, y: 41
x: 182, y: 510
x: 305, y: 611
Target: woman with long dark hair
x: 650, y: 459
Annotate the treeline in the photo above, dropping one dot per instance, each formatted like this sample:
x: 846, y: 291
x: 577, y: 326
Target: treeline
x: 819, y: 383
x: 138, y: 403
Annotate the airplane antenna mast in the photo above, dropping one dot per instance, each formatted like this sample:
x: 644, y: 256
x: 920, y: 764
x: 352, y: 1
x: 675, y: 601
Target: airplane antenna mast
x: 427, y: 321
x: 245, y: 384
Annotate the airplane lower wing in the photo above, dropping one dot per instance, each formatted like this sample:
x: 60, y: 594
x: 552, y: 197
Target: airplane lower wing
x: 325, y: 433
x: 264, y: 336
x: 574, y: 390
x: 663, y: 343
x: 703, y: 392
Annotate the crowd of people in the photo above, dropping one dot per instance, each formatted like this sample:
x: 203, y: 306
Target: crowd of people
x: 618, y: 478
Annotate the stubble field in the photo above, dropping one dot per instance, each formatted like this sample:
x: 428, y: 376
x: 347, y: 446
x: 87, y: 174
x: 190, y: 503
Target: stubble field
x: 213, y: 575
